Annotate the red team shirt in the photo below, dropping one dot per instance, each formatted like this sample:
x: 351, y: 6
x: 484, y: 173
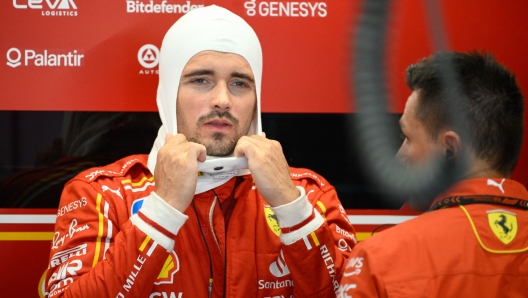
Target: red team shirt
x: 468, y: 250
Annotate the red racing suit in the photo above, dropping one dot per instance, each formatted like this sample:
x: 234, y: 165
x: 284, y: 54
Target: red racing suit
x: 478, y: 249
x: 115, y: 238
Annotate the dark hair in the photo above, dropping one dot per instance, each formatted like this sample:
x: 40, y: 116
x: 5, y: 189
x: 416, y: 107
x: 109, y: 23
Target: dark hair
x: 492, y: 103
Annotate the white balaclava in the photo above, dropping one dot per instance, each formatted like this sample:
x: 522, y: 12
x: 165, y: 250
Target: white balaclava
x: 210, y: 28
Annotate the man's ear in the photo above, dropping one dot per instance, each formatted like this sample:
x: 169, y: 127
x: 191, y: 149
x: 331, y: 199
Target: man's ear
x: 452, y: 145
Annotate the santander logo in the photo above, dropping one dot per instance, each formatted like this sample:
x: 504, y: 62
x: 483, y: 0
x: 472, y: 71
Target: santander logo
x: 279, y: 267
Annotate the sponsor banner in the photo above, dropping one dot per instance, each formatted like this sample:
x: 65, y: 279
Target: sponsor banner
x: 77, y: 64
x: 56, y: 57
x: 307, y: 50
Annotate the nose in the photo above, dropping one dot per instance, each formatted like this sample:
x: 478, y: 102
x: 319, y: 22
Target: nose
x: 221, y: 97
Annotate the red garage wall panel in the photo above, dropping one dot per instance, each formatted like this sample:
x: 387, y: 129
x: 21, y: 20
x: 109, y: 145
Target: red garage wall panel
x: 110, y: 50
x: 78, y: 55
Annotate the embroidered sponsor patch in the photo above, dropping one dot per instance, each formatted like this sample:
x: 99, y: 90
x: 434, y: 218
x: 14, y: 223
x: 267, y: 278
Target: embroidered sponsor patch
x: 171, y: 266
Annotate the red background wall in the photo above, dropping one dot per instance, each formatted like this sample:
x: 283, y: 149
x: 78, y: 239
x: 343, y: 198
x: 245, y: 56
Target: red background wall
x: 306, y: 59
x: 306, y: 65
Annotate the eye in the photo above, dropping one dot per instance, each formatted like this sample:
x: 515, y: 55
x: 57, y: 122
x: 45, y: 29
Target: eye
x: 198, y: 81
x: 240, y: 84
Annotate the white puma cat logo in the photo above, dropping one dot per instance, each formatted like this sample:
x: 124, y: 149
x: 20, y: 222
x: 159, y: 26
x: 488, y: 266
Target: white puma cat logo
x: 105, y: 188
x: 498, y: 185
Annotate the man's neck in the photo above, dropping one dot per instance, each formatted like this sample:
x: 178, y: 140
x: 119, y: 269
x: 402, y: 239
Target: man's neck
x: 482, y: 169
x: 477, y: 169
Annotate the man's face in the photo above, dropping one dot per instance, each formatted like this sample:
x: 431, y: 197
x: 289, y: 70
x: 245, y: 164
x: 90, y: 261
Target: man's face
x: 216, y: 101
x: 418, y: 146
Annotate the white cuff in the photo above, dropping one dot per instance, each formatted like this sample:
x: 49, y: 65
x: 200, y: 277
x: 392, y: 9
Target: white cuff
x: 292, y: 237
x: 159, y: 237
x: 295, y: 212
x: 157, y: 210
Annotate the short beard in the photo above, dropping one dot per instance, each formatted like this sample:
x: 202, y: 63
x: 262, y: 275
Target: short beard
x: 219, y: 146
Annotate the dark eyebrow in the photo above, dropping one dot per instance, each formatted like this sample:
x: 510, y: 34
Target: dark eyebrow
x: 242, y: 76
x: 199, y: 72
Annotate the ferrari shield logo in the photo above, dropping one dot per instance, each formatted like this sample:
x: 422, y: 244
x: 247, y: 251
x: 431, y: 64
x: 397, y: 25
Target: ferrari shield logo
x: 503, y: 224
x: 271, y: 218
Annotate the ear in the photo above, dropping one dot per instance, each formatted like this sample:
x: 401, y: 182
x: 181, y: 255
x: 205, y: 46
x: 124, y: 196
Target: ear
x: 452, y: 145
